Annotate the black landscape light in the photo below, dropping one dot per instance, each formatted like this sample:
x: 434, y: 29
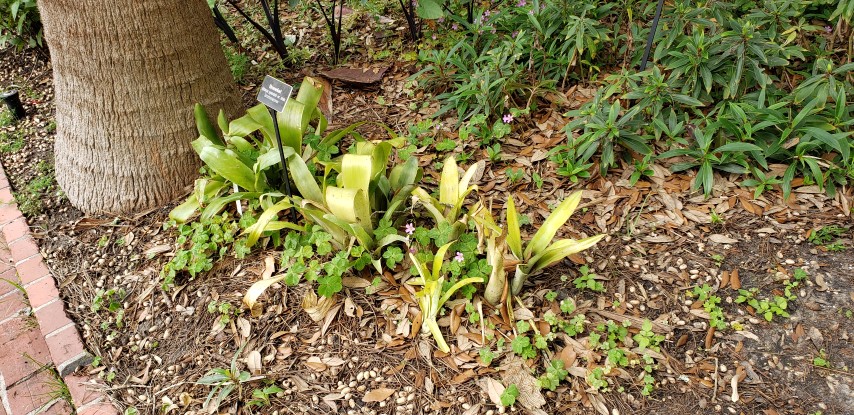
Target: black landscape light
x: 13, y: 101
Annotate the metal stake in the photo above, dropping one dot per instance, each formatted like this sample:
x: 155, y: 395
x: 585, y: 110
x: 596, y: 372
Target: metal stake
x: 651, y: 36
x: 284, y: 162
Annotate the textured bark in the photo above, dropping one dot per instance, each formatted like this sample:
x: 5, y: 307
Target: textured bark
x: 127, y: 74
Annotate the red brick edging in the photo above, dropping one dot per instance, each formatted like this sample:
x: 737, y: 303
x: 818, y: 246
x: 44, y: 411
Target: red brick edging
x: 60, y: 333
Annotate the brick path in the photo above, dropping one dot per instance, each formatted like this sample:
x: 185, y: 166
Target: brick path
x: 40, y: 347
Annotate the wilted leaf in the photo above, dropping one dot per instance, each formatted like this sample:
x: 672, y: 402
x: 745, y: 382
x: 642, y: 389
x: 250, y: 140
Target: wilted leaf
x: 722, y: 239
x: 185, y: 399
x: 517, y: 373
x: 250, y: 300
x: 378, y: 395
x: 734, y: 280
x: 493, y: 389
x: 244, y: 327
x: 315, y: 364
x: 355, y: 282
x: 317, y: 308
x: 349, y: 307
x: 253, y: 362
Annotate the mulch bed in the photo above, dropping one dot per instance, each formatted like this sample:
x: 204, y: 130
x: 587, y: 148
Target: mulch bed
x: 663, y: 241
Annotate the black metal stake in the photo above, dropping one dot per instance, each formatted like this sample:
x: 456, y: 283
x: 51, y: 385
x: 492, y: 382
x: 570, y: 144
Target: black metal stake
x: 284, y: 162
x: 651, y: 36
x: 13, y: 101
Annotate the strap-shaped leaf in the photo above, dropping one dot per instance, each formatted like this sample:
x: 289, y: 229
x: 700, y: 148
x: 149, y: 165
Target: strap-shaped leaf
x: 241, y: 144
x: 390, y: 239
x: 290, y: 124
x: 228, y: 165
x: 449, y: 183
x: 340, y: 236
x: 460, y: 284
x: 309, y: 95
x: 497, y: 277
x: 562, y: 249
x: 349, y: 205
x: 429, y: 203
x: 439, y: 259
x: 404, y: 174
x: 217, y: 204
x: 185, y: 211
x: 467, y: 177
x: 356, y: 171
x: 250, y: 300
x: 420, y: 268
x: 254, y: 232
x: 244, y: 125
x: 552, y: 224
x: 365, y: 239
x: 266, y: 160
x: 379, y: 157
x: 201, y: 143
x: 514, y: 229
x: 203, y: 124
x: 222, y: 121
x: 305, y: 182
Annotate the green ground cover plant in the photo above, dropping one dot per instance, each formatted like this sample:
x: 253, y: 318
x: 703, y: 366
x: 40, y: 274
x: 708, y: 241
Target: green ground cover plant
x: 20, y: 24
x: 734, y: 87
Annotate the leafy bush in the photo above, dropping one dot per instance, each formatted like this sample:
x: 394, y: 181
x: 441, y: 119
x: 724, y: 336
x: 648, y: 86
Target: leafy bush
x: 730, y: 93
x: 20, y: 25
x: 499, y: 58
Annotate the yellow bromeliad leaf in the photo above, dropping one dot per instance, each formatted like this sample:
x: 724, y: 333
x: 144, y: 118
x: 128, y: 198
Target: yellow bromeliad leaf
x: 560, y: 250
x: 553, y: 223
x: 514, y: 231
x: 349, y: 205
x: 356, y: 172
x: 449, y: 183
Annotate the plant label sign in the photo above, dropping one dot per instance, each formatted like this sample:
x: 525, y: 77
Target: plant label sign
x: 274, y: 93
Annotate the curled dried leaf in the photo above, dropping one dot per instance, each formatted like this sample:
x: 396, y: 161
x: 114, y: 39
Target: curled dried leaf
x: 317, y: 307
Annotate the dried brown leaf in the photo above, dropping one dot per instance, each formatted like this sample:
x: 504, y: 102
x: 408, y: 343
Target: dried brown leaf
x: 493, y: 389
x: 734, y: 280
x: 378, y: 395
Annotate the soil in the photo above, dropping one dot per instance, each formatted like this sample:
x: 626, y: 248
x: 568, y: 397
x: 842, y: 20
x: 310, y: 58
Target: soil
x: 663, y: 242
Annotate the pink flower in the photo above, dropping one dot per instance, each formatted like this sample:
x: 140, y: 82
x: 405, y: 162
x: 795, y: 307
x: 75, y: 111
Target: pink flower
x: 522, y: 3
x: 459, y: 257
x: 409, y: 229
x: 454, y: 26
x: 508, y: 118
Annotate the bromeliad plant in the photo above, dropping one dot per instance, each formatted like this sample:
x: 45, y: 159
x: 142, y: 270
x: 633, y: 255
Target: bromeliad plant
x: 540, y: 252
x: 239, y: 157
x: 453, y: 190
x: 362, y: 206
x: 433, y: 293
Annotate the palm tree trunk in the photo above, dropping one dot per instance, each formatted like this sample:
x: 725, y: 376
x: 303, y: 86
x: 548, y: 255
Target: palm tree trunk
x: 126, y: 76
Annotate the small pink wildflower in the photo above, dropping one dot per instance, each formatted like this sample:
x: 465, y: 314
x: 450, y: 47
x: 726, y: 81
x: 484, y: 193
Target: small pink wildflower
x: 409, y: 229
x: 522, y: 3
x: 508, y: 118
x: 454, y: 26
x: 459, y: 257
